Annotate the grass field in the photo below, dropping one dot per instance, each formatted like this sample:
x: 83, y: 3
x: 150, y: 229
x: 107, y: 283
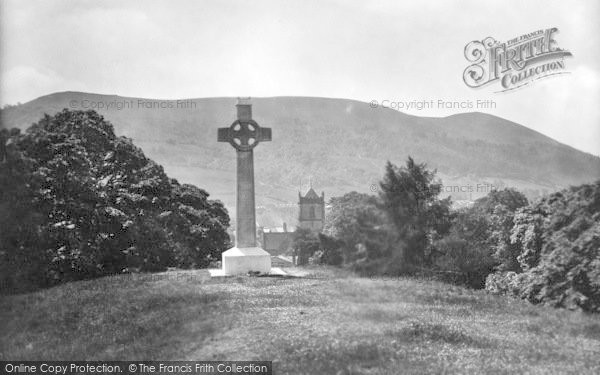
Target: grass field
x: 327, y: 322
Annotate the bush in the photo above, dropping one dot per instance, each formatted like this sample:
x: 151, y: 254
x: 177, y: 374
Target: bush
x: 478, y: 241
x: 305, y: 244
x: 467, y: 264
x: 560, y: 257
x: 464, y: 255
x: 79, y: 202
x: 330, y: 251
x: 503, y: 283
x: 391, y: 233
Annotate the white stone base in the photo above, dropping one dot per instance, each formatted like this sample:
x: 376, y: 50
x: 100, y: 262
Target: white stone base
x: 275, y: 271
x: 240, y: 261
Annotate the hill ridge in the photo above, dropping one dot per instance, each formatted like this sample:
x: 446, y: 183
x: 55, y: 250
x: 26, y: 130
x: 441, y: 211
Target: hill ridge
x: 342, y: 143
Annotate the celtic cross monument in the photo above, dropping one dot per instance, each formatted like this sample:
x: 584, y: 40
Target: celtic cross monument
x: 244, y: 135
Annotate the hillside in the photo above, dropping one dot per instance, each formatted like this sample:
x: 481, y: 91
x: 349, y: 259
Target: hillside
x: 343, y: 144
x: 327, y: 322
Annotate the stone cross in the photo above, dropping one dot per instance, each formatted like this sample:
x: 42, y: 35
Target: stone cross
x: 245, y: 134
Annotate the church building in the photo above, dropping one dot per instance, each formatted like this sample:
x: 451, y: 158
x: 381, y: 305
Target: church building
x: 312, y: 210
x: 311, y: 216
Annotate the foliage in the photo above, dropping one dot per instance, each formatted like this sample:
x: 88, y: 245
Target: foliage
x: 499, y: 208
x: 305, y: 243
x: 79, y: 202
x: 465, y: 251
x: 365, y: 236
x: 507, y: 197
x: 391, y: 233
x: 409, y: 197
x: 560, y: 251
x: 330, y: 252
x: 408, y: 229
x: 478, y: 241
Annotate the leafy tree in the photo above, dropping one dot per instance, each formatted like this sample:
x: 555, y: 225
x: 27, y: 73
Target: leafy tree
x: 305, y: 243
x: 198, y: 223
x: 349, y: 218
x: 499, y: 207
x: 511, y: 198
x: 20, y: 264
x: 560, y: 256
x: 409, y: 196
x: 330, y: 250
x: 479, y: 240
x: 79, y: 202
x: 466, y: 250
x: 364, y: 232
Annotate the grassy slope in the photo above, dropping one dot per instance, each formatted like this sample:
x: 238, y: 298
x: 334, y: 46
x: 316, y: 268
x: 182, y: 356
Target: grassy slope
x: 323, y: 323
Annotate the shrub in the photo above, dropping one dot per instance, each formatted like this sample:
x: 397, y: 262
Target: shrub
x: 79, y: 202
x: 466, y: 263
x: 560, y: 257
x: 478, y: 241
x: 305, y: 244
x: 330, y: 251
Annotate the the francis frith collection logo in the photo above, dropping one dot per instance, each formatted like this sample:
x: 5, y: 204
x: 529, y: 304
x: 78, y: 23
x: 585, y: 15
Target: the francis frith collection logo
x: 515, y: 63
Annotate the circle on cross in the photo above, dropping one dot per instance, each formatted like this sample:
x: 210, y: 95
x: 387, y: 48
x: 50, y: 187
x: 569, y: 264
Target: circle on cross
x: 244, y: 134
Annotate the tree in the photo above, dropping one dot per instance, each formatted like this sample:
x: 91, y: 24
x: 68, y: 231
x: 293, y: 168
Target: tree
x: 479, y: 239
x: 79, y: 202
x: 499, y: 207
x: 305, y: 244
x: 331, y: 250
x: 560, y: 251
x: 511, y: 198
x: 409, y: 197
x: 465, y: 251
x: 207, y: 222
x: 363, y: 230
x: 21, y: 265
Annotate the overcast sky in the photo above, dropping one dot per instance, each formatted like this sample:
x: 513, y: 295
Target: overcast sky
x: 364, y: 50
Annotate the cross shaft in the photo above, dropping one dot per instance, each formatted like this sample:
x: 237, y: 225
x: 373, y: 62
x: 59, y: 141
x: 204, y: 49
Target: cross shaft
x: 245, y: 134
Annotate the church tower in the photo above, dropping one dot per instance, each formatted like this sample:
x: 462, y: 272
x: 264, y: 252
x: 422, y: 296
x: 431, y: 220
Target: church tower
x: 312, y: 210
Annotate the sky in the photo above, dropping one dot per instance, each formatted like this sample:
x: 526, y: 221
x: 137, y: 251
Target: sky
x: 385, y: 50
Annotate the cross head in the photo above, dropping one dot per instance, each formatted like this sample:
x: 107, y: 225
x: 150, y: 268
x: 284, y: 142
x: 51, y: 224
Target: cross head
x: 244, y: 133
